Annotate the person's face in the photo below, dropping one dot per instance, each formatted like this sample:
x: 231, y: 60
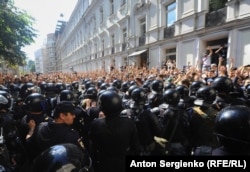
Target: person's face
x: 68, y: 118
x: 232, y: 73
x: 245, y: 73
x: 213, y: 67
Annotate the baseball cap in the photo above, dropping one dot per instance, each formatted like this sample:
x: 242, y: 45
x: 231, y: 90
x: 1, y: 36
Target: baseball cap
x: 64, y: 107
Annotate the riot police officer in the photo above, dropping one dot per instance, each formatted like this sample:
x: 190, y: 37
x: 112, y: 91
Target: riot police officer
x: 35, y: 105
x: 146, y: 122
x: 62, y: 157
x: 225, y: 87
x: 59, y: 130
x: 155, y: 97
x: 203, y: 118
x: 232, y: 129
x: 112, y: 137
x: 10, y: 145
x: 175, y: 122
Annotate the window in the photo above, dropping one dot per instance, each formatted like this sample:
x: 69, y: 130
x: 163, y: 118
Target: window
x: 143, y: 26
x: 123, y: 2
x: 171, y: 54
x: 112, y: 44
x: 124, y: 39
x: 111, y: 7
x: 96, y: 49
x: 170, y: 14
x: 112, y: 40
x: 124, y: 35
x: 103, y: 46
x: 101, y: 15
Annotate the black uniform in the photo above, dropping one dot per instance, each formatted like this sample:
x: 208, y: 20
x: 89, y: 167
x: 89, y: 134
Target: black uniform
x: 50, y: 133
x: 232, y: 129
x: 10, y: 145
x: 113, y: 139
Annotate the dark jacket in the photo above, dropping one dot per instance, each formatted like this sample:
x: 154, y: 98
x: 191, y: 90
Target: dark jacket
x: 50, y: 134
x: 112, y: 138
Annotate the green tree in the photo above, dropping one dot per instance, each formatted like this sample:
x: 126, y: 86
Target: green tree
x: 216, y: 4
x: 31, y: 66
x: 16, y: 31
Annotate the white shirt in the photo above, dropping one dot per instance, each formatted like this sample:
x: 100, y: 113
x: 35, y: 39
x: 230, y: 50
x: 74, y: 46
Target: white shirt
x: 206, y: 61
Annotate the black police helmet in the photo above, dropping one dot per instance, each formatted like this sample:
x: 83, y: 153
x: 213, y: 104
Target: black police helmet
x: 232, y: 126
x: 89, y: 84
x: 146, y: 87
x: 59, y: 87
x: 171, y: 97
x: 182, y: 90
x: 91, y: 93
x: 195, y: 86
x: 206, y: 93
x: 138, y: 94
x: 223, y: 84
x: 110, y: 103
x: 157, y: 86
x: 75, y: 85
x: 67, y: 95
x: 117, y: 83
x: 104, y: 86
x: 130, y: 89
x: 125, y: 86
x: 113, y: 88
x: 35, y: 102
x: 62, y: 157
x: 169, y: 85
x: 7, y: 96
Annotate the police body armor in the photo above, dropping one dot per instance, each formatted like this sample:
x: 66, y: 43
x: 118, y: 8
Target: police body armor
x: 176, y: 124
x: 142, y: 117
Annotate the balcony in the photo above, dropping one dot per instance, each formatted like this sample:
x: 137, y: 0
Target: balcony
x: 142, y: 40
x: 216, y: 18
x: 169, y: 32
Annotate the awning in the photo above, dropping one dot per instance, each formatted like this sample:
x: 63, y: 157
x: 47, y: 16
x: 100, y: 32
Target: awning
x: 137, y: 53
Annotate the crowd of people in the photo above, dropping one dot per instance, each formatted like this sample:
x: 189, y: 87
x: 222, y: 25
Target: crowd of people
x: 90, y: 121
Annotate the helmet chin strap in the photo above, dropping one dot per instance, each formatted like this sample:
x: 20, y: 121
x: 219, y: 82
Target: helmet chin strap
x: 87, y: 168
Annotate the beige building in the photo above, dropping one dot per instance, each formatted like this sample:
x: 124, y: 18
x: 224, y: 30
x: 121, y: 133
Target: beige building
x: 100, y: 34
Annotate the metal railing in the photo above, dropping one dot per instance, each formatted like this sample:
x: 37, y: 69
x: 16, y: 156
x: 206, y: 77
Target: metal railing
x: 216, y: 18
x: 142, y: 40
x: 169, y: 32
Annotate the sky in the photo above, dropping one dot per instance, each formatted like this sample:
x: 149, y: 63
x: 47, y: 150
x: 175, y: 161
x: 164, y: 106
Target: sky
x: 46, y: 14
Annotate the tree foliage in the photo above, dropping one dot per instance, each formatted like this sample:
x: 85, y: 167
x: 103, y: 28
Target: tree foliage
x: 216, y: 4
x: 16, y: 31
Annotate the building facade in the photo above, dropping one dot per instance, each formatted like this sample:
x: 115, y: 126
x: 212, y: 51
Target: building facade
x: 101, y: 34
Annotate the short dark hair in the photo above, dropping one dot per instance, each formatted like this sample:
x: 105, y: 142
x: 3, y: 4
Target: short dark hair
x: 64, y: 107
